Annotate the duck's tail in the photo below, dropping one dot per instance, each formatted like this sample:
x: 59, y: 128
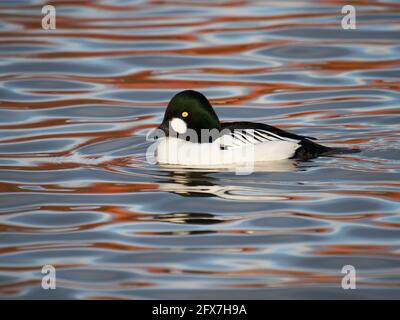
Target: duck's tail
x: 333, y: 151
x: 310, y: 149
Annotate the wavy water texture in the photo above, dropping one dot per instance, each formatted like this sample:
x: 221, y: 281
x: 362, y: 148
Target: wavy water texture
x: 76, y: 189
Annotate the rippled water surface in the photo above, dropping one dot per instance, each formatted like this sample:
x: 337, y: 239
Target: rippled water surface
x: 76, y: 191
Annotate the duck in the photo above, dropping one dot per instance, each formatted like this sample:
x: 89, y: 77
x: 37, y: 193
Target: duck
x: 191, y: 134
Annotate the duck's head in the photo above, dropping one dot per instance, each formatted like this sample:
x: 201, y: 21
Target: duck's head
x: 189, y: 110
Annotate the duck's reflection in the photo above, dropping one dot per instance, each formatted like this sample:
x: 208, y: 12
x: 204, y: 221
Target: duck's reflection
x: 191, y: 218
x: 201, y: 183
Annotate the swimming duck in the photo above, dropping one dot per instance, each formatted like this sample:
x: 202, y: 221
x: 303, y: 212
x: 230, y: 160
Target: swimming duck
x: 192, y: 135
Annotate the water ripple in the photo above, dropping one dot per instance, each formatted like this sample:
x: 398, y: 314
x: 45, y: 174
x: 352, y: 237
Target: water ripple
x: 76, y: 191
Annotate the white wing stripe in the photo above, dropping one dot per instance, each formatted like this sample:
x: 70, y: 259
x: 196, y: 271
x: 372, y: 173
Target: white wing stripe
x: 251, y: 136
x: 270, y: 134
x: 248, y: 136
x: 241, y: 137
x: 262, y: 137
x: 266, y: 136
x: 258, y: 136
x: 279, y: 137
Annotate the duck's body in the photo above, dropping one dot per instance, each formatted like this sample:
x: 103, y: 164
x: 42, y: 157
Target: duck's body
x: 180, y: 152
x: 190, y: 114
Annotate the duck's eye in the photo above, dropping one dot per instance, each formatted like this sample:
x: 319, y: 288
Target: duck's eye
x: 184, y: 114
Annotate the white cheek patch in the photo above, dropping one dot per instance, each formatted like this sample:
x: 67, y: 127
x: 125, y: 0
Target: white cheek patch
x: 178, y: 125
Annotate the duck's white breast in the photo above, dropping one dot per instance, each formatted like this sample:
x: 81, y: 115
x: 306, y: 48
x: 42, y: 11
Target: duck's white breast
x: 173, y: 150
